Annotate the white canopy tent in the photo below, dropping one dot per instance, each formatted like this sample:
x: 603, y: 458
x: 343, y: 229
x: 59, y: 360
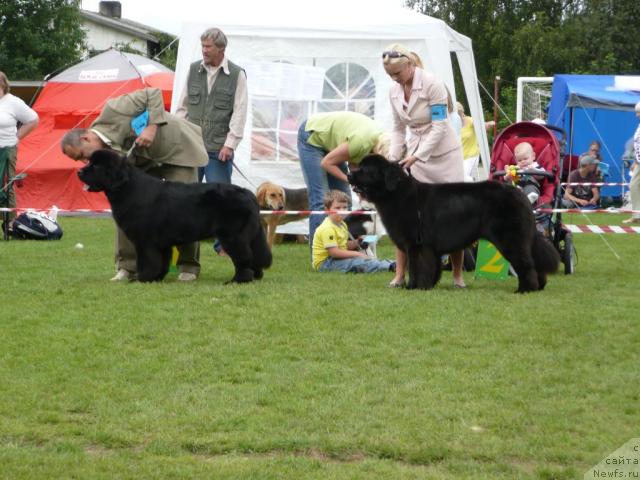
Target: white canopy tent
x: 302, y: 57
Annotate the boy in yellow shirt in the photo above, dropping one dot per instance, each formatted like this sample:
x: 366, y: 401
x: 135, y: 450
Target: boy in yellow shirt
x: 332, y: 251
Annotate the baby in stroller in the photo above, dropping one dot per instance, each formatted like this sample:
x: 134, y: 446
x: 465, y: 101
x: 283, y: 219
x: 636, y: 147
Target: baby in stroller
x: 545, y: 168
x: 525, y: 158
x: 527, y: 154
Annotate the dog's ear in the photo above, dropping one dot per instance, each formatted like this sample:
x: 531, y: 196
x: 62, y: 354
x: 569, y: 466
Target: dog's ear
x: 392, y: 178
x: 119, y: 168
x: 119, y: 175
x: 284, y: 197
x: 260, y: 194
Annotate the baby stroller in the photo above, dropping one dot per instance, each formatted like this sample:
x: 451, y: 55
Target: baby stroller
x: 547, y: 149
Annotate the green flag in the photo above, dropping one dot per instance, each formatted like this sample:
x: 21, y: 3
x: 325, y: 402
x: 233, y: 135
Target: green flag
x: 490, y: 263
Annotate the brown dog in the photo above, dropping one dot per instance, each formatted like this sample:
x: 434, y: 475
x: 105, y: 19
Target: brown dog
x: 275, y: 197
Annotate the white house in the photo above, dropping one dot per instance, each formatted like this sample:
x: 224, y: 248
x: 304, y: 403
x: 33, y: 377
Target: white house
x: 106, y: 29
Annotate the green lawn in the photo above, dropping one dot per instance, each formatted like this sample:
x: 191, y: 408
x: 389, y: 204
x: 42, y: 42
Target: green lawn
x: 307, y: 375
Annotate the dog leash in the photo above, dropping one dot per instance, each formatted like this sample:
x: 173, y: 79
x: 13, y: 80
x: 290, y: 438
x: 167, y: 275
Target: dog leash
x: 243, y: 175
x: 130, y: 151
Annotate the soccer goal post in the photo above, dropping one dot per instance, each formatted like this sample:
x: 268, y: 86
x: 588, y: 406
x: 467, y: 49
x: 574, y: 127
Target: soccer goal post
x: 533, y: 96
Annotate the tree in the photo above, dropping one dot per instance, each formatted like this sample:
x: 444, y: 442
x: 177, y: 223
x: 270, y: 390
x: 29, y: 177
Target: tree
x: 39, y: 37
x: 522, y: 38
x: 167, y: 49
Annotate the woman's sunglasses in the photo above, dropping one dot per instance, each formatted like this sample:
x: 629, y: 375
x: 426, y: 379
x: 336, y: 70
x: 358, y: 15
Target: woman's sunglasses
x: 393, y: 54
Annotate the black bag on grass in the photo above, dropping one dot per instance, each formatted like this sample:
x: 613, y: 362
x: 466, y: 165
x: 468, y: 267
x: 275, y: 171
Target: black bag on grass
x: 36, y: 226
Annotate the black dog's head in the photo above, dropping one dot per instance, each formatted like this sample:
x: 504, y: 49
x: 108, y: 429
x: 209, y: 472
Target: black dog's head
x: 359, y: 224
x: 376, y: 177
x: 106, y: 171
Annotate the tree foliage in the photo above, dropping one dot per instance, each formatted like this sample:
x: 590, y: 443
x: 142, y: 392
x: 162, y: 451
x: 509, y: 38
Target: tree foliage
x: 38, y: 37
x: 167, y: 49
x: 522, y: 38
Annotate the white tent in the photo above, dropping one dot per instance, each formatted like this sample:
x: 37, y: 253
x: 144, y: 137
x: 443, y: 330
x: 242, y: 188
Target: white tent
x: 302, y: 57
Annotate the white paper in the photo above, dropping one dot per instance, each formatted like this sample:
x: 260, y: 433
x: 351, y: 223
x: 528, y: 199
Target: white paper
x: 284, y: 81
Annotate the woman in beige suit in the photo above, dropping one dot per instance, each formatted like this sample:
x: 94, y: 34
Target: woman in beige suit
x: 433, y: 151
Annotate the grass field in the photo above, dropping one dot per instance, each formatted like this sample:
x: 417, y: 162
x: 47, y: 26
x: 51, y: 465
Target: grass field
x: 311, y: 376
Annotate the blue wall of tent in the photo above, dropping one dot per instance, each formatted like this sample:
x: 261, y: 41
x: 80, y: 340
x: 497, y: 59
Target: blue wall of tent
x: 597, y: 107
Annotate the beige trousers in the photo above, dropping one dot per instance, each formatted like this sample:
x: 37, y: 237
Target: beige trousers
x: 189, y: 255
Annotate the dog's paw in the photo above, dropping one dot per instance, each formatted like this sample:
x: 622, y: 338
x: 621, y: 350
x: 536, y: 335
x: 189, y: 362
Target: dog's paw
x: 243, y: 276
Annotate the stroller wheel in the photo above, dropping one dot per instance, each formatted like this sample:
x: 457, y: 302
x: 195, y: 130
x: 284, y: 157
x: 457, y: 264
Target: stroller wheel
x: 569, y: 254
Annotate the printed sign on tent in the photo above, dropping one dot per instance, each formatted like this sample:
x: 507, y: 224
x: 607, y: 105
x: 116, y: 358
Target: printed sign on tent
x: 99, y: 75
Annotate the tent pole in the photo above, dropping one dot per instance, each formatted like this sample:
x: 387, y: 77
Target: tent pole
x: 570, y: 139
x: 496, y: 92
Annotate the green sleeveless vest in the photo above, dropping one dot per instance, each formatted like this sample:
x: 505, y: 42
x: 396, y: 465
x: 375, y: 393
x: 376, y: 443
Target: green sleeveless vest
x: 211, y: 110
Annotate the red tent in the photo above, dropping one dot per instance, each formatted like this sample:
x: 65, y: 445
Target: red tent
x: 74, y: 98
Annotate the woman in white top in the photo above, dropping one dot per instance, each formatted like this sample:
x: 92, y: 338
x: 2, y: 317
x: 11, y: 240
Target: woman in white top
x: 13, y: 111
x: 634, y: 184
x: 433, y: 151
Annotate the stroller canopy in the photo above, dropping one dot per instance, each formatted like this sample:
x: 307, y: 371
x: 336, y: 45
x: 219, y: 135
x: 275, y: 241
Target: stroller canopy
x: 545, y: 146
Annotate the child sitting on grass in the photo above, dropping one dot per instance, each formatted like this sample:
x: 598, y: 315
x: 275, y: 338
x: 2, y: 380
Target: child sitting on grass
x: 332, y: 250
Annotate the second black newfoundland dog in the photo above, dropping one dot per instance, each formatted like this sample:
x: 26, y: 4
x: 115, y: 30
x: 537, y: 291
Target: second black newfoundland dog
x: 429, y: 220
x: 156, y: 214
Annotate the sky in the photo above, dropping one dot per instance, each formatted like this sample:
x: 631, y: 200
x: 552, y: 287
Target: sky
x: 168, y: 15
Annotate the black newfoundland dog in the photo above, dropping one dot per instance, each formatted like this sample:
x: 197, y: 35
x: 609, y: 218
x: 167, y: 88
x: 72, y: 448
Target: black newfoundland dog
x: 157, y: 214
x: 429, y: 220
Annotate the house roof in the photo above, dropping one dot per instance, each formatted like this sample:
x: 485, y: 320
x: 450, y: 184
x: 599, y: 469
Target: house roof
x: 123, y: 25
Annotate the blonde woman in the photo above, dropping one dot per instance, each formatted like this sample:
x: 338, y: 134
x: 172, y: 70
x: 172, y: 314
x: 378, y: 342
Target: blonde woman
x: 433, y: 152
x: 13, y: 111
x: 454, y: 118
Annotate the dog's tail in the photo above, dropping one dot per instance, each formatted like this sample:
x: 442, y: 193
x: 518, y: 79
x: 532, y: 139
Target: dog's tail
x: 261, y: 252
x: 545, y: 255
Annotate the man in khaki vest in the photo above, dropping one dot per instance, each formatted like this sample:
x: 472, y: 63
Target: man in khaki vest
x: 215, y: 98
x: 168, y: 147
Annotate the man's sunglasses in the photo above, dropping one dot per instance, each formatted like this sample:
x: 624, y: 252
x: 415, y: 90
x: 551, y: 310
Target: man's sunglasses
x: 393, y: 54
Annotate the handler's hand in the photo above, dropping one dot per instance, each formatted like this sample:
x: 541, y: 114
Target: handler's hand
x: 352, y: 245
x: 225, y: 154
x: 407, y: 162
x: 148, y: 135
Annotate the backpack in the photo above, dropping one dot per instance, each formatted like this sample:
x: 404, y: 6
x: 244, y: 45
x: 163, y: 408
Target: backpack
x: 36, y: 226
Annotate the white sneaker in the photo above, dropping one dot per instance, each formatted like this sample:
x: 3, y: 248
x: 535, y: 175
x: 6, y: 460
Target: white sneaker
x: 122, y: 275
x: 533, y: 197
x: 187, y: 277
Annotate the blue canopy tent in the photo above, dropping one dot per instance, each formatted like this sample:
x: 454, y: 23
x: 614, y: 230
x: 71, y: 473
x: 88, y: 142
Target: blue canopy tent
x: 597, y: 107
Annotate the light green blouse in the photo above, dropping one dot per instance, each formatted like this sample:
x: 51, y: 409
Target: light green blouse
x: 332, y: 129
